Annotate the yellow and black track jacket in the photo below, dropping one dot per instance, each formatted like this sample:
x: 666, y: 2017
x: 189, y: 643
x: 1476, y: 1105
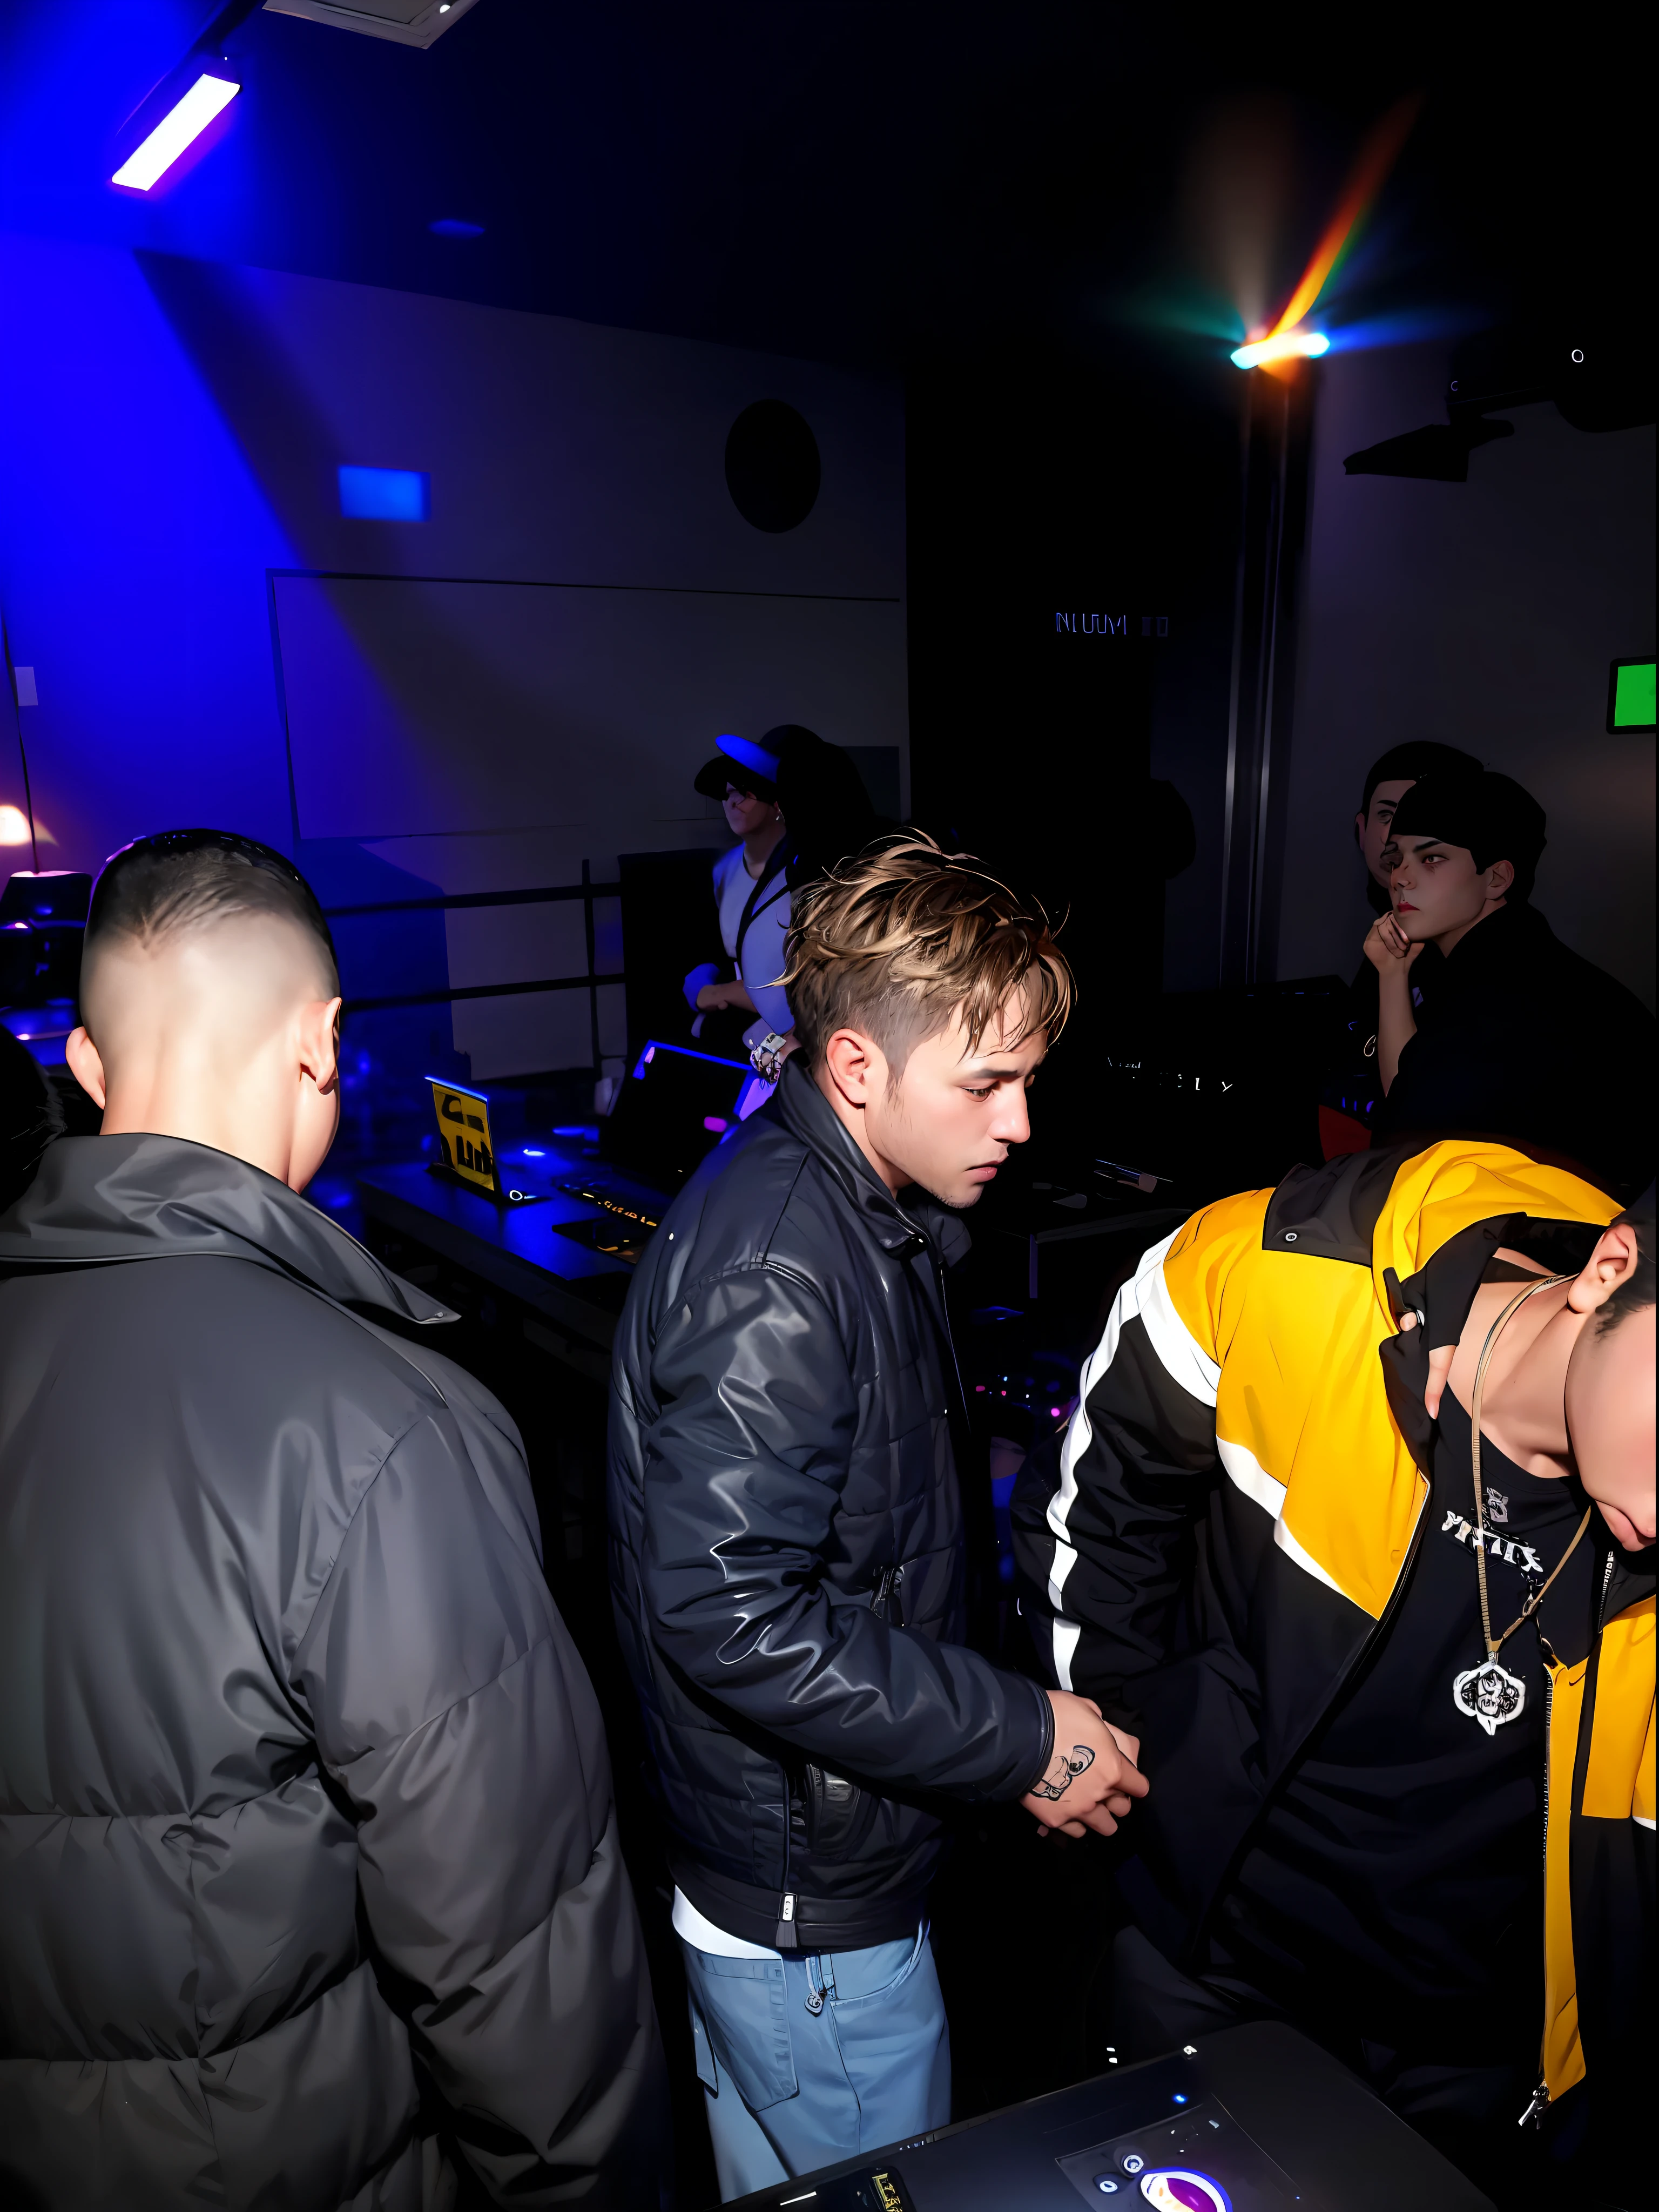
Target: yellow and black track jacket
x: 1237, y: 1502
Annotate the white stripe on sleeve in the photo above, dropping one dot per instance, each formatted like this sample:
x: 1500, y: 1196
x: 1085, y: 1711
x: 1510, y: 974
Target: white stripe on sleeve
x: 1304, y: 1559
x: 1247, y: 1474
x: 1251, y: 1477
x: 1182, y: 1359
x: 1066, y: 1634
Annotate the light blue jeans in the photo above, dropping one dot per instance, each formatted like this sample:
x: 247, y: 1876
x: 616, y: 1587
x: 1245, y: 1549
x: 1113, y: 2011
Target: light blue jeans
x: 808, y: 2060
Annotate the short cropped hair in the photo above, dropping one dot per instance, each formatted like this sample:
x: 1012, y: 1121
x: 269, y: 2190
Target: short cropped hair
x: 1631, y: 1297
x: 1491, y: 816
x: 898, y: 940
x: 182, y: 880
x: 1416, y: 757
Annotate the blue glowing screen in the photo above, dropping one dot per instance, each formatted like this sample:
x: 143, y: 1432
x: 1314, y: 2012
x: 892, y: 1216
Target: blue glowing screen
x: 384, y: 495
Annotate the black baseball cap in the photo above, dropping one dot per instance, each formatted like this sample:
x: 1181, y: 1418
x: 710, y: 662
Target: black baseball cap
x: 743, y: 764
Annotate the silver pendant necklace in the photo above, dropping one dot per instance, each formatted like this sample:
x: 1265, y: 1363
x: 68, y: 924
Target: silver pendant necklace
x: 1489, y: 1694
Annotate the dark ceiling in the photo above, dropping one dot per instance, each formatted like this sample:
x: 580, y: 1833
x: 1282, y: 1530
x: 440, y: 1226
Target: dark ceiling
x: 854, y: 183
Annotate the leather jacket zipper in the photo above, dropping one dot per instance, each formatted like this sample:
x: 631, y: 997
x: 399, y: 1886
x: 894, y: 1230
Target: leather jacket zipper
x: 937, y: 1265
x: 950, y: 1341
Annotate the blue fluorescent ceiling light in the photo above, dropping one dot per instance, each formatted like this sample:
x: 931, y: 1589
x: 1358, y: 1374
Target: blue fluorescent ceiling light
x: 451, y: 226
x: 181, y: 125
x: 384, y: 495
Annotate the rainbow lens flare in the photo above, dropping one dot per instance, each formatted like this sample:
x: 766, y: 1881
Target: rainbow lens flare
x: 1287, y: 340
x: 1282, y: 345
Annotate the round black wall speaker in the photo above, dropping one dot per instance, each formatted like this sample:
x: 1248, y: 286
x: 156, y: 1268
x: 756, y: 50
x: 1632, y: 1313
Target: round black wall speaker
x: 772, y: 467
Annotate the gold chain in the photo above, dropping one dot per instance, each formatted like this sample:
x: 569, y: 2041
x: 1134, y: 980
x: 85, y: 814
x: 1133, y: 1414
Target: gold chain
x: 1547, y: 1283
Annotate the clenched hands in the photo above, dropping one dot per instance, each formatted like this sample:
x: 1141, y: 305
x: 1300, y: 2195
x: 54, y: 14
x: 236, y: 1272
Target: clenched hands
x: 1091, y: 1779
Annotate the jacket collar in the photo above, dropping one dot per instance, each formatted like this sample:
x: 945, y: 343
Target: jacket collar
x: 98, y: 1199
x: 807, y: 1115
x: 1630, y: 1578
x: 1508, y: 934
x: 1441, y: 1294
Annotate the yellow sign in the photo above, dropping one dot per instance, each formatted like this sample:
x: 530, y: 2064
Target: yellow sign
x: 464, y: 1131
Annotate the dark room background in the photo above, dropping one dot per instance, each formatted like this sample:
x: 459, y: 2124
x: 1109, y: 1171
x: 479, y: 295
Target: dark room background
x: 963, y: 247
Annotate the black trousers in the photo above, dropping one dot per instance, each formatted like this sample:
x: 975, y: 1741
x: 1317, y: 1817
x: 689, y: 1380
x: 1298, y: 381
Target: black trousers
x: 1468, y: 2113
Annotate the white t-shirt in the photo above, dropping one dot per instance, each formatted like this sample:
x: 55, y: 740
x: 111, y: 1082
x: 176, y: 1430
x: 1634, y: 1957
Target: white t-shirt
x: 762, y: 947
x: 696, y: 1929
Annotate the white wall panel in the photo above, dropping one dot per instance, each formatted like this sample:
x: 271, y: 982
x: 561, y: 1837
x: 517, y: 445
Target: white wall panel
x: 419, y: 708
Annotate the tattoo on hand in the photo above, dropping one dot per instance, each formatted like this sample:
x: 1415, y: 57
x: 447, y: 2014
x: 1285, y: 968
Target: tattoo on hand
x: 1067, y: 1771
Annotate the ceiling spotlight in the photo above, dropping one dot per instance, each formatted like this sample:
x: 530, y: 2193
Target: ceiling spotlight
x: 181, y: 127
x: 1282, y: 345
x: 404, y: 22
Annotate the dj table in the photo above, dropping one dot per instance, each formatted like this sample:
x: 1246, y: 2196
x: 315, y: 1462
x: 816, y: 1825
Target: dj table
x: 568, y: 1215
x: 1254, y: 2119
x: 571, y: 1288
x: 568, y: 1218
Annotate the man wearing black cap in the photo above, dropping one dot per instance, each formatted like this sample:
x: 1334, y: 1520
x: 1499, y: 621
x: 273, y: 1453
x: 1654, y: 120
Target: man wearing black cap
x: 1520, y: 1038
x: 751, y: 901
x: 799, y: 806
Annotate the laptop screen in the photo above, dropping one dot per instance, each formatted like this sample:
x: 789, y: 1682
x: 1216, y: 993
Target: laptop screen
x: 464, y: 1131
x: 673, y: 1108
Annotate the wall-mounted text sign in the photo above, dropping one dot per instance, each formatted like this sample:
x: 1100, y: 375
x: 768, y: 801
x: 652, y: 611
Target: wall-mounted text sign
x: 1078, y: 625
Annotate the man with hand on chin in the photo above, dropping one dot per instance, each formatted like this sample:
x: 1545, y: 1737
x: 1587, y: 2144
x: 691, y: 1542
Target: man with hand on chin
x: 1520, y: 1038
x: 788, y: 1547
x: 1352, y: 1092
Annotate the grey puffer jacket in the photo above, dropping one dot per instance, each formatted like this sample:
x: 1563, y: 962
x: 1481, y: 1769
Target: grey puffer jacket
x: 304, y: 1800
x: 786, y: 1541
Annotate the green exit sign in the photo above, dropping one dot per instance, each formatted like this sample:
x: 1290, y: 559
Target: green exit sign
x: 1630, y: 695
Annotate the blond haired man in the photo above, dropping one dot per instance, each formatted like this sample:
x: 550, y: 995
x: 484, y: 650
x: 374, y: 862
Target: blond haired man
x: 787, y: 1555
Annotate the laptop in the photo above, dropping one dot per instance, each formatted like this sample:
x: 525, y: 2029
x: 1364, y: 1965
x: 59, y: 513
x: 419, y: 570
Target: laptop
x: 469, y: 1157
x: 673, y: 1107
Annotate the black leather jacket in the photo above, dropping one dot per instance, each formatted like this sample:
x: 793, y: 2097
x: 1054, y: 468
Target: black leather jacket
x: 787, y: 1549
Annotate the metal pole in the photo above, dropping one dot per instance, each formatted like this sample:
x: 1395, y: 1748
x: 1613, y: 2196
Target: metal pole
x: 1277, y: 415
x: 592, y: 978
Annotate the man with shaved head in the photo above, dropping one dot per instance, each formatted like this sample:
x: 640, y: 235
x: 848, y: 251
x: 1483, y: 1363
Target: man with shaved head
x: 310, y: 1889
